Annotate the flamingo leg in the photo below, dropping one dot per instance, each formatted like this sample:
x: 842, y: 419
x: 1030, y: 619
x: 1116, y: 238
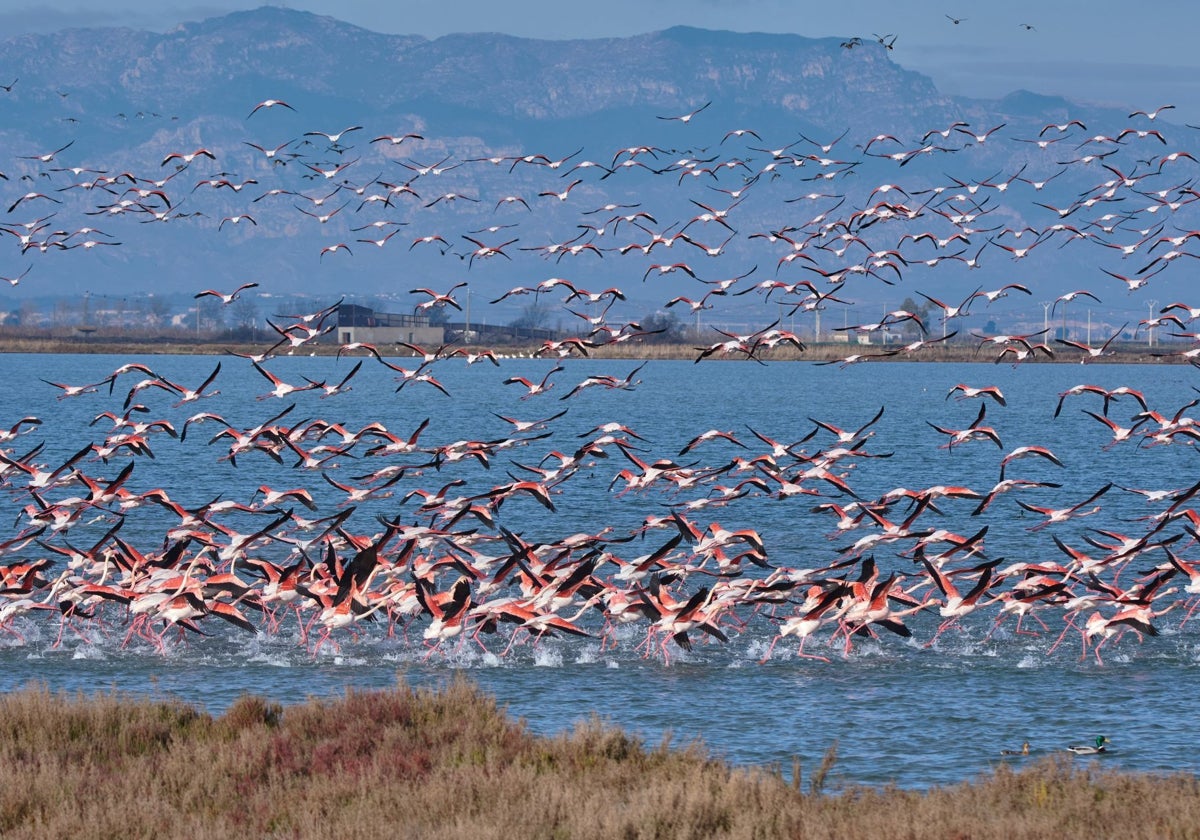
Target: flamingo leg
x: 1069, y: 626
x: 800, y: 652
x: 766, y: 657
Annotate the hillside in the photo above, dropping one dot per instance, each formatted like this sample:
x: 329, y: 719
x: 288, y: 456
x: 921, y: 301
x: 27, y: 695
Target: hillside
x: 508, y: 122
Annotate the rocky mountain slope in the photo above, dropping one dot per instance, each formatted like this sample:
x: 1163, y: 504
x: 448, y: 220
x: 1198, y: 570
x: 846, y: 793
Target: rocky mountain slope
x: 791, y: 116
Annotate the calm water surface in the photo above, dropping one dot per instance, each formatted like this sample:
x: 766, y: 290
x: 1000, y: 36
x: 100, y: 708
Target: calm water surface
x: 900, y: 710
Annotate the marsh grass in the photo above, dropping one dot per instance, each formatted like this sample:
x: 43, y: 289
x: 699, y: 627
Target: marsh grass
x: 450, y: 763
x: 143, y: 345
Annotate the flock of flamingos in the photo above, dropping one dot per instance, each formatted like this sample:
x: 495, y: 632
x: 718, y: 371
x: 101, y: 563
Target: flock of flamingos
x: 413, y: 534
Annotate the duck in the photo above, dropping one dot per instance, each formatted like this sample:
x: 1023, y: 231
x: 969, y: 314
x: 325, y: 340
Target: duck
x: 1089, y: 749
x: 1023, y: 751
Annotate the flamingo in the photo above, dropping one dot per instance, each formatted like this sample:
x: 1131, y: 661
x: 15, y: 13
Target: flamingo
x: 187, y: 157
x: 1057, y: 515
x: 335, y: 137
x: 980, y: 138
x: 226, y: 298
x: 397, y: 139
x: 234, y: 220
x: 381, y: 241
x: 269, y: 103
x: 269, y: 154
x: 996, y: 294
x: 533, y: 389
x: 686, y: 118
x: 331, y: 173
x: 1150, y: 115
x: 949, y: 311
x: 968, y: 392
x: 77, y: 390
x: 449, y: 609
x: 281, y: 388
x: 561, y: 196
x: 1070, y: 296
x: 1093, y: 353
x: 975, y: 431
x: 1025, y: 452
x: 334, y: 248
x: 958, y: 605
x: 483, y: 251
x: 30, y: 196
x: 807, y: 619
x: 322, y: 217
x: 47, y: 157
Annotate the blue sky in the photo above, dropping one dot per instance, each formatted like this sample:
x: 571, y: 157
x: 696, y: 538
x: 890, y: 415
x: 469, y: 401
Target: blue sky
x: 1099, y: 51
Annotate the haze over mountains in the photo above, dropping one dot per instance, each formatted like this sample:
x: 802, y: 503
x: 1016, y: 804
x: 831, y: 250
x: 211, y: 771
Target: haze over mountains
x: 125, y: 100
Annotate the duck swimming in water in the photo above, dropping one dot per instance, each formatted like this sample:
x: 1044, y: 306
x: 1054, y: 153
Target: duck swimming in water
x: 1023, y: 751
x: 1088, y: 749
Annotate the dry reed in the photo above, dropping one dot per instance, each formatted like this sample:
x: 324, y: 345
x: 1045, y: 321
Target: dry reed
x: 450, y: 764
x: 823, y: 352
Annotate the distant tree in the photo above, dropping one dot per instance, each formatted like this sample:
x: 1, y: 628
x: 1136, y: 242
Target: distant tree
x: 244, y: 312
x: 158, y: 310
x: 922, y: 311
x: 61, y: 313
x: 669, y: 324
x: 534, y: 316
x: 27, y: 315
x: 211, y: 313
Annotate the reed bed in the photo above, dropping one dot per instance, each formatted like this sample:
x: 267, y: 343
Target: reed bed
x: 450, y: 763
x: 823, y: 352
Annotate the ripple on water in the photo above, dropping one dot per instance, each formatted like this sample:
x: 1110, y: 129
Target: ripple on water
x: 89, y: 652
x: 543, y: 657
x: 958, y: 694
x: 588, y: 655
x: 273, y: 659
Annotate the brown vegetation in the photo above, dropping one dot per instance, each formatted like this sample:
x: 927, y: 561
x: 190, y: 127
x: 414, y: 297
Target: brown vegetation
x: 14, y: 342
x: 450, y: 764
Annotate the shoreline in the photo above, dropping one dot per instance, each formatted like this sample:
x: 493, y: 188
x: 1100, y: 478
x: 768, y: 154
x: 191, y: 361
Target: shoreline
x: 825, y: 352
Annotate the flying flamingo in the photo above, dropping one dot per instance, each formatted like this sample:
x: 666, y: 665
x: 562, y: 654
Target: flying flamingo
x: 975, y: 431
x: 967, y: 392
x: 269, y: 103
x: 226, y: 298
x: 686, y: 118
x: 957, y: 605
x: 535, y: 388
x: 1056, y: 515
x: 1093, y: 353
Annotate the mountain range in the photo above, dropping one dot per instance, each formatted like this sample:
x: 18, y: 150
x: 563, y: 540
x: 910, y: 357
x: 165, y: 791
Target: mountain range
x: 807, y: 128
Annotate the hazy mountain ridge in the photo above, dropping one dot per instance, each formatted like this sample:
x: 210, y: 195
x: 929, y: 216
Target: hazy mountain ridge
x: 212, y: 62
x: 127, y: 107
